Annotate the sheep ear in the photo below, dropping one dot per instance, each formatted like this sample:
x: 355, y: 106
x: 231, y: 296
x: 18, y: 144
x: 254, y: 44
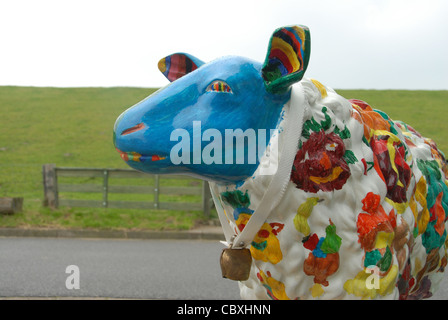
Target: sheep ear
x: 177, y: 65
x: 287, y: 58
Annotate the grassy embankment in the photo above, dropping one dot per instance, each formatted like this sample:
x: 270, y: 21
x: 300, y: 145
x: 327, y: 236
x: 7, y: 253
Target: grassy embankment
x: 72, y: 127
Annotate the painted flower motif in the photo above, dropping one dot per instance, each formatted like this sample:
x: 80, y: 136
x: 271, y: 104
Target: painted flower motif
x: 303, y: 213
x: 386, y: 285
x: 405, y: 282
x: 374, y: 221
x: 320, y: 163
x: 390, y: 163
x: 240, y: 203
x: 323, y: 260
x: 265, y: 245
x: 421, y: 289
x: 388, y: 150
x: 379, y: 236
x: 274, y: 288
x: 370, y: 119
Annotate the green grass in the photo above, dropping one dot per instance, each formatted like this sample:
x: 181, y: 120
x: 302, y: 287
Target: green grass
x: 34, y: 215
x: 68, y: 127
x: 72, y: 127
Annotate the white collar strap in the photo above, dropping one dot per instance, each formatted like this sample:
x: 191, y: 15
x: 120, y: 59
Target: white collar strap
x: 274, y: 193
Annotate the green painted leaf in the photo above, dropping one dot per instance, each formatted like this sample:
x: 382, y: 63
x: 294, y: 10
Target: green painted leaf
x: 332, y: 241
x: 385, y: 262
x: 350, y: 157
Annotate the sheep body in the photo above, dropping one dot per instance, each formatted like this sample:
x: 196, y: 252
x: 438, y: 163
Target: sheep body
x: 363, y: 215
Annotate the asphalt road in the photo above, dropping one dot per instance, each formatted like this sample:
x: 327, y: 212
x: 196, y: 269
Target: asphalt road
x: 138, y: 269
x: 147, y: 269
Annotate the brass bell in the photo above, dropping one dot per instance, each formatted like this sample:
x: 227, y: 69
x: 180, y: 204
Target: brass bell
x: 236, y: 263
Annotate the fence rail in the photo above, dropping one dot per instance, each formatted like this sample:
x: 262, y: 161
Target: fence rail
x: 52, y: 188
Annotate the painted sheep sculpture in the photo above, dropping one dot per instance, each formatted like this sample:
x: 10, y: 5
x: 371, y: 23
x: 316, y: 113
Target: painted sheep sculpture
x: 362, y: 213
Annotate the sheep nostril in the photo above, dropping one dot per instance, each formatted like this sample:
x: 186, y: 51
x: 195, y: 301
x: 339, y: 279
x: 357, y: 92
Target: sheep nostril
x: 135, y: 128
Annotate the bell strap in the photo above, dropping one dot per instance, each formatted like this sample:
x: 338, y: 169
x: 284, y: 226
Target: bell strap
x: 277, y: 187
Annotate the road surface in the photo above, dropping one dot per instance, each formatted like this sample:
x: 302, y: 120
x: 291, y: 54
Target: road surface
x: 137, y: 269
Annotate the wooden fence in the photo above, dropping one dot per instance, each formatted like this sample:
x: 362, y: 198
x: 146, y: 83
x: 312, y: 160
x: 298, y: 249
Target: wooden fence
x: 52, y: 188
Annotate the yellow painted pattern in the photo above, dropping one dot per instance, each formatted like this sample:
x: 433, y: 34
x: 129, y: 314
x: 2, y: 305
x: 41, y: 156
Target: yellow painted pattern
x: 278, y: 43
x: 162, y: 65
x: 320, y: 87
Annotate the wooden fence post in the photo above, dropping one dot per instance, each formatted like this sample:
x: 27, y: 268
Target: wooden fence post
x: 50, y: 186
x: 156, y: 191
x: 105, y: 187
x: 10, y: 205
x: 206, y: 199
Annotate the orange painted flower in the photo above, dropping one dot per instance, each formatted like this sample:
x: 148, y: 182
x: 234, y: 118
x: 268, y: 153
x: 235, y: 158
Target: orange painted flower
x: 374, y: 221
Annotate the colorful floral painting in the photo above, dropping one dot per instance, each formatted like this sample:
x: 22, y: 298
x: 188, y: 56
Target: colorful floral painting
x: 303, y: 213
x: 390, y: 153
x: 390, y: 156
x: 320, y: 164
x: 265, y: 245
x: 366, y: 213
x: 374, y: 221
x: 274, y: 288
x: 323, y: 260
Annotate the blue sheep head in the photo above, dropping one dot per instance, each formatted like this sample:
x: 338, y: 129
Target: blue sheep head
x: 193, y: 125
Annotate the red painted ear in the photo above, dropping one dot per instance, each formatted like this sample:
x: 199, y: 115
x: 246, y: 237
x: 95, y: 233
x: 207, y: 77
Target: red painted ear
x: 177, y: 65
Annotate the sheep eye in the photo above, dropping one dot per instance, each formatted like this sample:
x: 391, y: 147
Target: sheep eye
x: 219, y: 86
